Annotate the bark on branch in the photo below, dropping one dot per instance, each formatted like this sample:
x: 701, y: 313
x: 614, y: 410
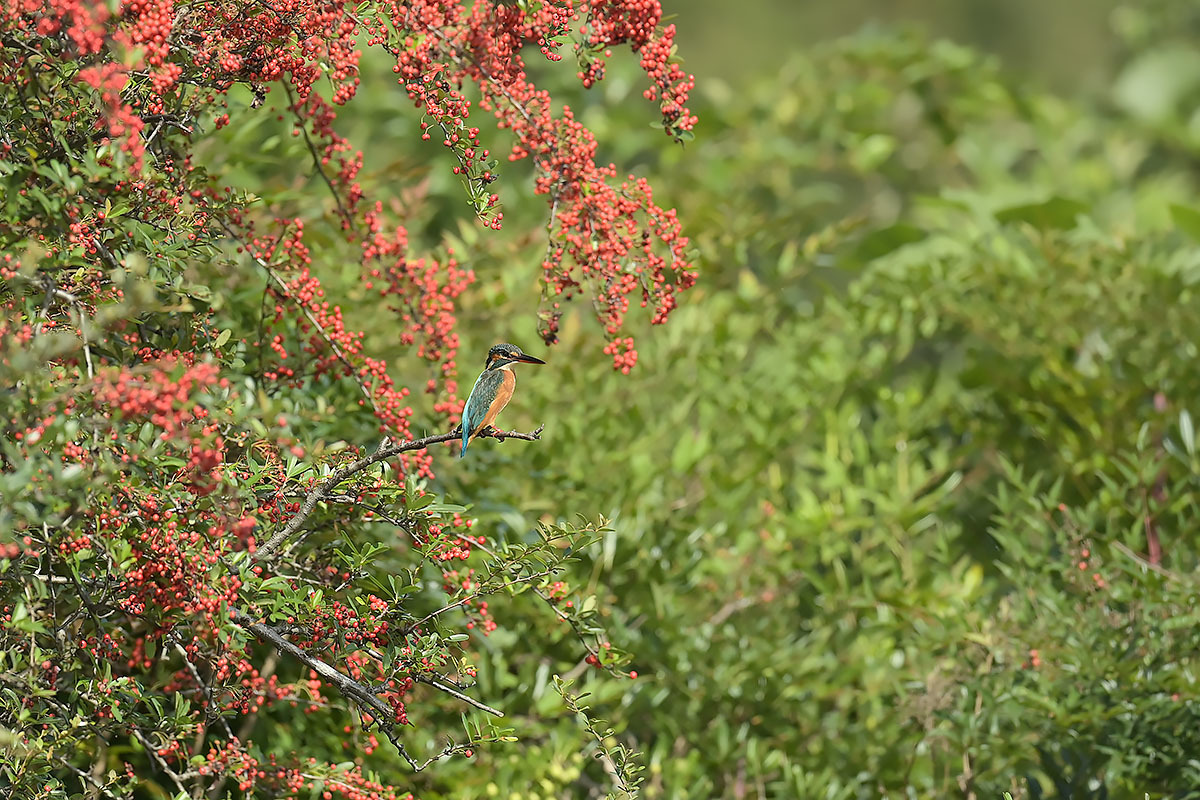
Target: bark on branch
x: 362, y: 696
x: 386, y: 450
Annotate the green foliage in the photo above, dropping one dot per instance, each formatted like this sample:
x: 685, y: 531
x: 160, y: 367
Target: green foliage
x: 618, y: 761
x: 882, y: 494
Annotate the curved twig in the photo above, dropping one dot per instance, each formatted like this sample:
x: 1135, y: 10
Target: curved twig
x: 324, y: 490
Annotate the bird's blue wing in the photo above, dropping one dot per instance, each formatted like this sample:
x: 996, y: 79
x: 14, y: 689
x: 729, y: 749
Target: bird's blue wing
x: 474, y: 411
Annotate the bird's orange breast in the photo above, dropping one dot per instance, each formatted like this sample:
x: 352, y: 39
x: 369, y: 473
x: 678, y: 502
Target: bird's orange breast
x: 503, y: 394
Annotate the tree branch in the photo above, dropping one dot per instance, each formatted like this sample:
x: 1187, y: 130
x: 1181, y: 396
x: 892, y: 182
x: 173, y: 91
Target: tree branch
x: 450, y: 690
x: 152, y: 752
x: 441, y: 686
x: 302, y: 124
x: 387, y: 450
x: 364, y: 697
x: 282, y: 287
x: 558, y: 612
x: 484, y: 592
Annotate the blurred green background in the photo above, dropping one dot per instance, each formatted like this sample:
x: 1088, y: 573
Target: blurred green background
x: 884, y: 488
x: 1068, y: 44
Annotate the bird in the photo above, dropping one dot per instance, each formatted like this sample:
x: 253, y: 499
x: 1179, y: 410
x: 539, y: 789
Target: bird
x: 492, y: 391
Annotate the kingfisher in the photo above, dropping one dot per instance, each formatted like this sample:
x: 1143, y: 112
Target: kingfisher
x: 492, y: 391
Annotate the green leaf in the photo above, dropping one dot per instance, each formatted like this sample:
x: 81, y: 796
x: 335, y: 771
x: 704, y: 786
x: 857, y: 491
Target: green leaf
x: 419, y: 502
x: 1057, y: 213
x: 445, y: 508
x: 881, y: 242
x: 1187, y: 219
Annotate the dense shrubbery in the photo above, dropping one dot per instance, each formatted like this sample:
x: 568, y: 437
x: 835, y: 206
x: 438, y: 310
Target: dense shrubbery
x: 901, y: 499
x: 883, y: 506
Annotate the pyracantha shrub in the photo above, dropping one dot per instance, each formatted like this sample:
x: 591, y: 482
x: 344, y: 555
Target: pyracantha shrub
x: 189, y: 549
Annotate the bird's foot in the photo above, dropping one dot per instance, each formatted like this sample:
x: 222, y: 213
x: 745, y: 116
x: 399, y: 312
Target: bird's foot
x: 495, y: 433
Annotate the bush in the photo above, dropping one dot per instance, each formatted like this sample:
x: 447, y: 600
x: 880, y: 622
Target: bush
x: 936, y: 381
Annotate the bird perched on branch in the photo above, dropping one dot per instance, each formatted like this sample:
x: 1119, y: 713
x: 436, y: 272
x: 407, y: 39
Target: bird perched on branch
x: 492, y: 390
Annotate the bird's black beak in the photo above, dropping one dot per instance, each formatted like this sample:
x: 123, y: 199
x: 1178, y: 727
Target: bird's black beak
x: 527, y: 359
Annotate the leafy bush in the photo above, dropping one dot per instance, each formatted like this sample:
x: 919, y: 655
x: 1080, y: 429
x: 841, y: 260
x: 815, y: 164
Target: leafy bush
x: 882, y: 507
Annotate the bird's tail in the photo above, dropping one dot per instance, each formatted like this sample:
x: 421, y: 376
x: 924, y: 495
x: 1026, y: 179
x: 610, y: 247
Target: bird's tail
x: 466, y: 441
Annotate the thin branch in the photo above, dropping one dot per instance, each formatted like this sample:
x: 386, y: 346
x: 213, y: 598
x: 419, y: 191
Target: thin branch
x: 440, y: 685
x: 282, y: 285
x: 212, y: 710
x: 450, y: 690
x: 580, y: 634
x: 484, y: 592
x: 325, y: 489
x: 85, y: 777
x: 365, y: 698
x: 301, y: 123
x: 730, y: 608
x: 152, y: 751
x: 1146, y: 563
x: 620, y: 769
